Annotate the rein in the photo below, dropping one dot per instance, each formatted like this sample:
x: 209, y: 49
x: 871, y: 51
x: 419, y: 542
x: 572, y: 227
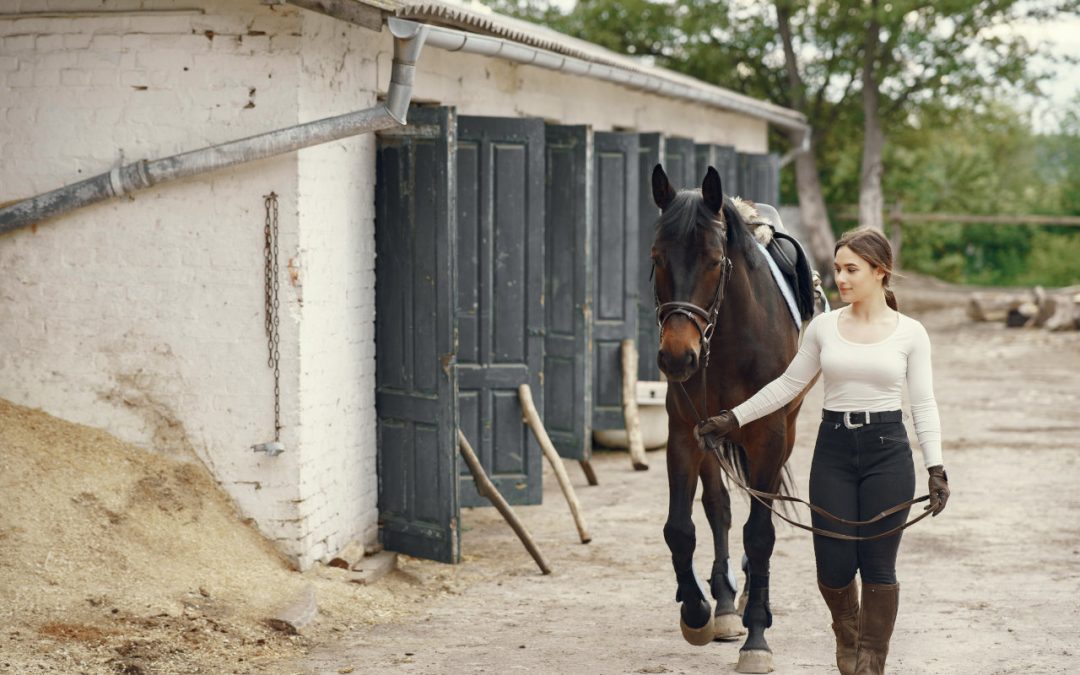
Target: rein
x: 763, y: 496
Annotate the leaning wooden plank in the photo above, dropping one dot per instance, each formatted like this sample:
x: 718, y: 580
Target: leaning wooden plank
x: 487, y: 489
x: 630, y: 409
x: 590, y: 473
x: 532, y: 418
x: 297, y: 614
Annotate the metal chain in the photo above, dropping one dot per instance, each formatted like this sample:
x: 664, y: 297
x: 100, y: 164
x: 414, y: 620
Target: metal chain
x: 270, y: 257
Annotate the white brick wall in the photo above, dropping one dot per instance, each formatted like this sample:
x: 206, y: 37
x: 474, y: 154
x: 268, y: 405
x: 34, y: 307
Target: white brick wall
x: 144, y: 315
x: 338, y: 483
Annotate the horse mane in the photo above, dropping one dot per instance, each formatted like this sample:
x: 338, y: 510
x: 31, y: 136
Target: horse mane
x: 740, y: 235
x: 687, y: 215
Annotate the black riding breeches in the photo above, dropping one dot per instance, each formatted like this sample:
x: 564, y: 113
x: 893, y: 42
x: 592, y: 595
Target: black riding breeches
x: 856, y: 474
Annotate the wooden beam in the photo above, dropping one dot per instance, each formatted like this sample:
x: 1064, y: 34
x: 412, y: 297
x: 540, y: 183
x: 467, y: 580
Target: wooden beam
x: 350, y: 11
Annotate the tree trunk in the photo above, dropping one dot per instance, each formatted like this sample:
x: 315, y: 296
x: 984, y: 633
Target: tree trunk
x: 815, y: 218
x: 871, y: 201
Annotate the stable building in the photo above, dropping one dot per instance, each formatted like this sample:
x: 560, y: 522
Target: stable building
x: 305, y: 242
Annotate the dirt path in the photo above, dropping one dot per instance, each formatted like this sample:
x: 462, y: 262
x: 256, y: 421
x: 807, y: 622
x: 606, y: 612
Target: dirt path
x: 989, y: 587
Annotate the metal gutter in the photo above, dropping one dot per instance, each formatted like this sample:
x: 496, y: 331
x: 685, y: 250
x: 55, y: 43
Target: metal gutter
x: 142, y: 174
x: 672, y: 86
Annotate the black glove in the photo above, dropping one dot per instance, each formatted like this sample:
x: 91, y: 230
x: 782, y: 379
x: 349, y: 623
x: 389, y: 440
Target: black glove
x: 719, y: 426
x: 939, y: 489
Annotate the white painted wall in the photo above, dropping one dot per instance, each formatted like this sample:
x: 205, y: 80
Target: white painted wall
x: 144, y: 315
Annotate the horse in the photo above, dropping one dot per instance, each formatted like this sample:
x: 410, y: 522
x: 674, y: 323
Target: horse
x: 725, y: 332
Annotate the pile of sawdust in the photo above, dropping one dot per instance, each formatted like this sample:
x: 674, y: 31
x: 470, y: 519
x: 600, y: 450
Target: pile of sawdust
x: 115, y: 559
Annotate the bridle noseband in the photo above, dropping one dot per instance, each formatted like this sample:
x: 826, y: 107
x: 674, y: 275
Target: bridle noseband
x: 666, y: 310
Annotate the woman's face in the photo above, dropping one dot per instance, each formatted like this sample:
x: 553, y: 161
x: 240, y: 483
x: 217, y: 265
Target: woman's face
x: 856, y: 278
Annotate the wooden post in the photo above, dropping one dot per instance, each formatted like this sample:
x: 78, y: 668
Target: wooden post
x: 590, y: 474
x: 533, y: 420
x: 630, y: 409
x: 487, y: 489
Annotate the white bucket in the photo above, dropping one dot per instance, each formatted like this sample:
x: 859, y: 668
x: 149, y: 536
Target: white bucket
x: 652, y: 411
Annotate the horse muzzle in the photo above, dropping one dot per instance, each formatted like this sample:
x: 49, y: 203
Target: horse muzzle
x: 678, y: 366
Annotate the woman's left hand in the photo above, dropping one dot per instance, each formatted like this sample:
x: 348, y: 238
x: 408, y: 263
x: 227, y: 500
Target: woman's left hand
x: 939, y: 489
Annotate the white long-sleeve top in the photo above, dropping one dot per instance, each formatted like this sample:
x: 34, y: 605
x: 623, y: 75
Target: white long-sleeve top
x: 860, y: 377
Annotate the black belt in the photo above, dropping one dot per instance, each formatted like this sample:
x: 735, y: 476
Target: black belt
x: 856, y: 419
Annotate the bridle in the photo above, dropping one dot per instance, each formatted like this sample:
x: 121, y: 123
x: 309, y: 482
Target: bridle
x: 666, y: 310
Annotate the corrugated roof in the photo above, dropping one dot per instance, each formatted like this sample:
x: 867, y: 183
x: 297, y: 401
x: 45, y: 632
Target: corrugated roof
x: 481, y: 19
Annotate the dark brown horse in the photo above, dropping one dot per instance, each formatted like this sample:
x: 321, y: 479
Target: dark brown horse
x: 725, y: 332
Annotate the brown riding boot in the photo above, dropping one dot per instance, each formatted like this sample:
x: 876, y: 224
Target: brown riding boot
x: 876, y: 621
x: 844, y: 605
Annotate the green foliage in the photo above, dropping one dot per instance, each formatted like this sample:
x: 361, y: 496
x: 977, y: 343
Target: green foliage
x: 946, y: 72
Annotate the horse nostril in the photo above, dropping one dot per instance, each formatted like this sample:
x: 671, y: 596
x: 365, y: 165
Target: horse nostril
x: 693, y: 361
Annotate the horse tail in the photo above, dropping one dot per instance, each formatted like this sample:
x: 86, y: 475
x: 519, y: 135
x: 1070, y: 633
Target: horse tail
x: 735, y: 455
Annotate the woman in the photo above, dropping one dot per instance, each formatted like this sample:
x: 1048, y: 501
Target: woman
x: 862, y: 461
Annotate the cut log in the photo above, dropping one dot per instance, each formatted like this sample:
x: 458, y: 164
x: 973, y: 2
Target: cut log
x: 985, y: 306
x: 532, y: 418
x: 630, y: 408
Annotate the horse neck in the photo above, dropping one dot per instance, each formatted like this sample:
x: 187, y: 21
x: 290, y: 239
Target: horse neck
x: 742, y: 307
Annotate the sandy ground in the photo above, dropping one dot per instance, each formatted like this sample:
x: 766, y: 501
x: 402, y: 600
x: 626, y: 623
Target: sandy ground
x: 117, y: 560
x: 990, y: 586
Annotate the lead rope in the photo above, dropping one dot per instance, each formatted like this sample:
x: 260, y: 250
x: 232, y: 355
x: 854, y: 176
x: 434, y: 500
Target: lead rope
x: 762, y: 496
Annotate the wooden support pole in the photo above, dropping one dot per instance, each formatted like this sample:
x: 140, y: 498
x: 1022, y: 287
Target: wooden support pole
x: 532, y: 418
x: 487, y: 489
x: 590, y: 473
x: 629, y: 404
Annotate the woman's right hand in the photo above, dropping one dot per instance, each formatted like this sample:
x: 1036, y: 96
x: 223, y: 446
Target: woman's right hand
x: 715, y: 428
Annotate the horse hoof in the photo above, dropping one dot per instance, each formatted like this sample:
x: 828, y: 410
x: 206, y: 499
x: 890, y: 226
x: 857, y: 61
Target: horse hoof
x: 698, y: 637
x: 754, y: 661
x: 728, y: 627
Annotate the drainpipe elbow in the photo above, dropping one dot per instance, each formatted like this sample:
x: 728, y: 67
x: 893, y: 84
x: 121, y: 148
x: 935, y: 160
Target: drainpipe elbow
x: 409, y: 38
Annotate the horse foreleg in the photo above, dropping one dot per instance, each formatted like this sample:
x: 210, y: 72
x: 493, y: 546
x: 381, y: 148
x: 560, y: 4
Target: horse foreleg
x: 759, y: 537
x: 695, y: 613
x: 723, y: 583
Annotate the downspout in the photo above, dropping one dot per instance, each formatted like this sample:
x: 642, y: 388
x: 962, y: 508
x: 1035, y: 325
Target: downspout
x: 143, y: 174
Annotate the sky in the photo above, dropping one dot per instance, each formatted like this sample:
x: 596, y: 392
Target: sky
x: 1060, y: 90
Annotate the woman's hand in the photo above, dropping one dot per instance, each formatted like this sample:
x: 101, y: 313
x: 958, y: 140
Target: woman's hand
x: 719, y: 426
x: 939, y: 489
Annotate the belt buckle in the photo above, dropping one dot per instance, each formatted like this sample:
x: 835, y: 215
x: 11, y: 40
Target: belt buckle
x: 851, y: 425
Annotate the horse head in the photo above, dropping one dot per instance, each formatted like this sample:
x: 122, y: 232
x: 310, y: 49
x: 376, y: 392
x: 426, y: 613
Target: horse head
x: 690, y: 267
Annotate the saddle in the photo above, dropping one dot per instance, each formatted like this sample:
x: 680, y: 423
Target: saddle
x: 789, y: 256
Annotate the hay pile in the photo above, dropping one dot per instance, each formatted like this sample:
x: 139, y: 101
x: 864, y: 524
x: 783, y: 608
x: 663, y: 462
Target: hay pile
x: 115, y: 559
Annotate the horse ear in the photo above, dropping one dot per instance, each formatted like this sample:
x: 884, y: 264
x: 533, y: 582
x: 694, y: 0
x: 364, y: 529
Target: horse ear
x: 662, y: 192
x: 712, y: 191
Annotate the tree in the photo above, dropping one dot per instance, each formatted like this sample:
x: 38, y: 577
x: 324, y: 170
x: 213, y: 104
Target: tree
x: 917, y: 51
x: 855, y: 69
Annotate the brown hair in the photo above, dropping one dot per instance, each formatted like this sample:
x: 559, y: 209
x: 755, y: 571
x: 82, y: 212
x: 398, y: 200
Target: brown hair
x: 872, y: 246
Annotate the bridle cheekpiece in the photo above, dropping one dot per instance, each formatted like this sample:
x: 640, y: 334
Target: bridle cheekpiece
x: 666, y: 310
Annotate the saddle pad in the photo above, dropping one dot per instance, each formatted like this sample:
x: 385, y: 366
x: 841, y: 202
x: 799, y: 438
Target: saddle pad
x: 785, y: 290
